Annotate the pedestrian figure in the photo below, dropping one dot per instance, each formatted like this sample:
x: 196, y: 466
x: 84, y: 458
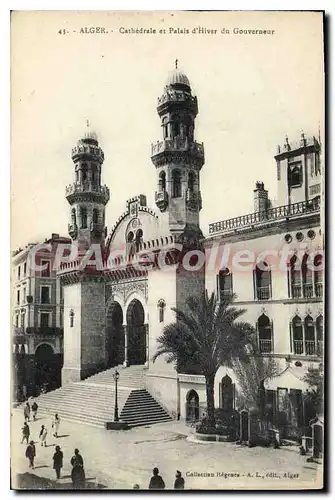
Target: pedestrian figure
x: 34, y: 408
x: 31, y: 453
x: 58, y: 461
x: 25, y: 432
x: 55, y: 425
x: 26, y: 412
x: 78, y: 472
x: 43, y: 435
x: 179, y: 483
x: 156, y: 482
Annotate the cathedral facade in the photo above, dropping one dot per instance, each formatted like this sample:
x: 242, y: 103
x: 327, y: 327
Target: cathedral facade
x: 119, y: 290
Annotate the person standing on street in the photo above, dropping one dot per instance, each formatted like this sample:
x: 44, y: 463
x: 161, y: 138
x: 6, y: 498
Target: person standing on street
x: 34, y: 408
x: 25, y: 432
x: 78, y: 472
x: 179, y: 483
x: 43, y: 435
x: 58, y: 461
x: 156, y: 482
x: 26, y: 412
x: 31, y: 453
x: 55, y: 425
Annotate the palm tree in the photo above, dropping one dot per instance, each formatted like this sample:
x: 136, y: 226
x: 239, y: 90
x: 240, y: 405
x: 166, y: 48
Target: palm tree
x: 206, y: 334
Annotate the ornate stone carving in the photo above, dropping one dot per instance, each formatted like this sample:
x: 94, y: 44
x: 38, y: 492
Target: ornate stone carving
x: 124, y: 289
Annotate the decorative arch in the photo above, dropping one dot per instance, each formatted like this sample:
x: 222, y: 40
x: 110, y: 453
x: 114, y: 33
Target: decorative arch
x: 48, y: 363
x: 224, y: 283
x: 262, y: 281
x: 192, y: 406
x: 176, y: 183
x: 136, y: 332
x: 53, y: 350
x: 265, y: 334
x: 114, y: 340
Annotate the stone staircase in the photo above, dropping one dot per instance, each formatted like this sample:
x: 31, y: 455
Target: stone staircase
x: 91, y: 401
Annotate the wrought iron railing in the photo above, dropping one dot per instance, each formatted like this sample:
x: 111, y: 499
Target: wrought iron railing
x: 319, y: 289
x: 265, y: 345
x: 263, y: 292
x: 308, y: 290
x: 282, y: 212
x: 298, y: 346
x: 177, y: 144
x: 296, y: 291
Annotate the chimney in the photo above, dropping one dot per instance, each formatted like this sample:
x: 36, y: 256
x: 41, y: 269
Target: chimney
x: 261, y: 198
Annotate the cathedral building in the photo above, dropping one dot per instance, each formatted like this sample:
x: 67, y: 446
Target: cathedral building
x: 151, y: 262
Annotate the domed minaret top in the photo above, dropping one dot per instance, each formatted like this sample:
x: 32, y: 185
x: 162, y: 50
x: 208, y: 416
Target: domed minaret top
x: 88, y: 147
x: 177, y: 79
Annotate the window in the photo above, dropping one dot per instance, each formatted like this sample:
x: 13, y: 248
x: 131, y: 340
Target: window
x: 45, y: 272
x: 138, y: 239
x: 191, y: 181
x: 16, y: 320
x: 95, y: 215
x: 310, y: 347
x: 25, y: 269
x: 263, y: 281
x: 44, y: 320
x: 295, y: 175
x: 165, y: 128
x: 317, y: 164
x: 297, y: 334
x: 84, y: 173
x: 19, y: 272
x: 295, y: 274
x: 319, y: 334
x: 225, y: 284
x: 162, y: 181
x: 176, y: 184
x: 264, y: 330
x: 23, y: 314
x: 161, y: 310
x: 192, y: 406
x: 307, y: 277
x: 175, y: 127
x: 45, y: 295
x: 24, y: 295
x: 84, y: 218
x: 18, y: 297
x: 73, y: 217
x: 318, y: 275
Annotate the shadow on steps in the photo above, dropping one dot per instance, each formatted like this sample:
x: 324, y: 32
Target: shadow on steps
x: 29, y: 481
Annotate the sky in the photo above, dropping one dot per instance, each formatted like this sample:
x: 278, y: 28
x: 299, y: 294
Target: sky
x: 252, y: 90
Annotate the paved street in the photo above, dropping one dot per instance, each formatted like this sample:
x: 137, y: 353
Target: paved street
x: 118, y: 460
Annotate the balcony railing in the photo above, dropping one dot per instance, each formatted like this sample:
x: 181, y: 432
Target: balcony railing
x: 277, y: 213
x: 308, y: 290
x: 265, y: 345
x: 225, y: 293
x: 81, y: 187
x: 296, y: 291
x: 319, y: 289
x: 309, y: 347
x: 263, y: 292
x: 44, y: 330
x: 177, y: 144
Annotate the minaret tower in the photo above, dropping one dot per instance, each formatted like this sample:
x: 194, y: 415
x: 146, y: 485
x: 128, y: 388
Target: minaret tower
x: 178, y: 158
x: 86, y: 196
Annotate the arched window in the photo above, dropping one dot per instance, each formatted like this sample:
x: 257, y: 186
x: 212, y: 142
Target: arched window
x: 227, y: 394
x: 191, y: 181
x: 225, y: 284
x: 295, y: 176
x: 165, y: 128
x: 161, y: 310
x: 307, y: 277
x: 264, y: 330
x: 319, y: 334
x: 295, y: 275
x: 84, y: 172
x: 297, y: 335
x: 263, y: 281
x: 175, y: 129
x: 84, y: 218
x: 176, y: 184
x: 130, y: 237
x: 95, y: 215
x: 309, y: 336
x: 318, y: 275
x: 77, y: 175
x: 73, y: 217
x: 192, y: 406
x: 138, y: 239
x: 162, y: 181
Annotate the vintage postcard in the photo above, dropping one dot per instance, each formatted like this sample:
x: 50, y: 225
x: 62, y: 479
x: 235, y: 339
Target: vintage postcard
x: 167, y: 250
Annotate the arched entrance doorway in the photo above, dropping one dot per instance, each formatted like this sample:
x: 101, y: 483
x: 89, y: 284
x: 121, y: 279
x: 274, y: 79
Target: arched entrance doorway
x: 136, y: 333
x: 114, y: 335
x: 192, y: 406
x: 227, y: 394
x: 47, y: 368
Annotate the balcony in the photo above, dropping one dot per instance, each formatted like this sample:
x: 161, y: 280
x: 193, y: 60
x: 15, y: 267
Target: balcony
x: 308, y: 290
x: 45, y: 331
x: 273, y: 214
x: 298, y: 346
x: 176, y: 95
x: 163, y: 151
x: 296, y: 291
x: 263, y: 293
x: 225, y: 293
x: 87, y: 187
x: 265, y: 346
x: 309, y: 347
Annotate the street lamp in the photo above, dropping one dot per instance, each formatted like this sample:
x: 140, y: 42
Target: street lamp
x: 116, y: 377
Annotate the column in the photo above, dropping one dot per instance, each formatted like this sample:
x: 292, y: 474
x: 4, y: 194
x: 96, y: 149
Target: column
x: 125, y: 330
x: 146, y: 364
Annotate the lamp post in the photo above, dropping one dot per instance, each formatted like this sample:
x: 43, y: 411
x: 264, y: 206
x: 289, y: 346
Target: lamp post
x: 116, y: 377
